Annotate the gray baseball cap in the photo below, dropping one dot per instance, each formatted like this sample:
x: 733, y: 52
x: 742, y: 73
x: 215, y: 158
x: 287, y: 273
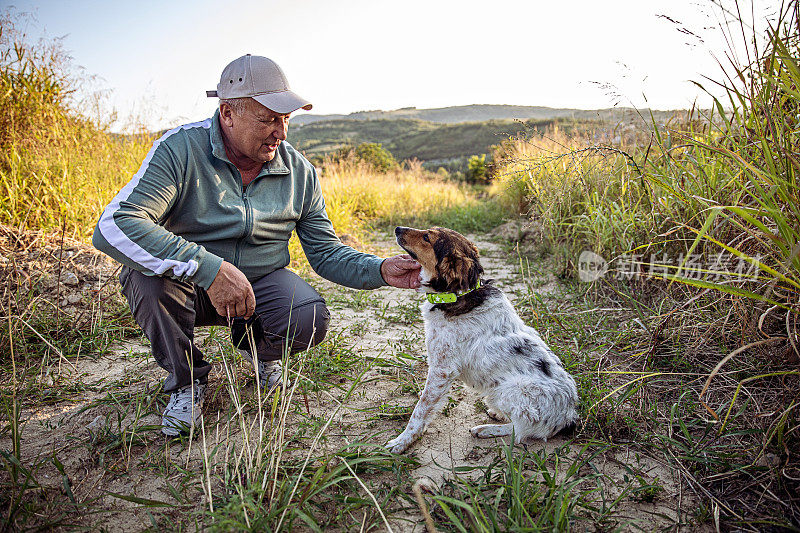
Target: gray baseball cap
x: 261, y: 79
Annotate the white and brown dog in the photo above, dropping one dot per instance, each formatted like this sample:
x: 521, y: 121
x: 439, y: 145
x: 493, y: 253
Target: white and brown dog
x: 474, y: 334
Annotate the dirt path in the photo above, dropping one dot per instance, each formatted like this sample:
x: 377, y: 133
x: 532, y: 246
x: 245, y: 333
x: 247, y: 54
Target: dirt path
x: 102, y: 425
x: 447, y: 445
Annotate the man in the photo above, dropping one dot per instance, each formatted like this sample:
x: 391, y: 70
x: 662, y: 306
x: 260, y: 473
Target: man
x: 202, y: 231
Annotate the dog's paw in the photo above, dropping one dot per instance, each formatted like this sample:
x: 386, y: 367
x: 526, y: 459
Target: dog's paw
x: 487, y: 431
x: 399, y: 444
x: 496, y: 415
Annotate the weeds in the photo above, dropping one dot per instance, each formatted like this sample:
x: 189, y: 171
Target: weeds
x: 545, y: 490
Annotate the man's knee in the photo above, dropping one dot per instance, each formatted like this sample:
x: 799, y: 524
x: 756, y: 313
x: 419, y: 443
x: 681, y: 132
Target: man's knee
x: 310, y: 325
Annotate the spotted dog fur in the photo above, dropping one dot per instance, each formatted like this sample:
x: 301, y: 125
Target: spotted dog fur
x: 481, y: 340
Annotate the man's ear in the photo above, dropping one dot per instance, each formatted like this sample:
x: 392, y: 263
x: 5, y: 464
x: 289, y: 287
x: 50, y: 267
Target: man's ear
x: 226, y: 114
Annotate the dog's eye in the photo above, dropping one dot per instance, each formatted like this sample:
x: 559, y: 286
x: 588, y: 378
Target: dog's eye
x: 425, y: 237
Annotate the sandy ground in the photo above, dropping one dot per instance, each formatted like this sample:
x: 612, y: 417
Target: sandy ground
x: 66, y: 425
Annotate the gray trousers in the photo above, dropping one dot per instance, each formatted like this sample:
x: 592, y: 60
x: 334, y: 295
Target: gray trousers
x: 290, y: 316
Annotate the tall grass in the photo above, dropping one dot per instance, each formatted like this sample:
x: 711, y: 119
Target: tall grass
x: 582, y: 195
x: 706, y: 213
x: 407, y: 195
x: 258, y: 477
x: 721, y: 182
x: 58, y: 166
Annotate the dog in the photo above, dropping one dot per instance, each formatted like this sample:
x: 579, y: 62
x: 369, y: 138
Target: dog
x: 473, y: 333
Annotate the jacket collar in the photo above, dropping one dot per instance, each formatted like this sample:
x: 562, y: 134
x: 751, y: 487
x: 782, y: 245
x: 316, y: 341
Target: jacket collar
x: 276, y: 166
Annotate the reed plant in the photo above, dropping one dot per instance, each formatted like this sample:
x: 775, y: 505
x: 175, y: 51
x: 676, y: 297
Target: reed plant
x: 709, y: 183
x: 706, y: 212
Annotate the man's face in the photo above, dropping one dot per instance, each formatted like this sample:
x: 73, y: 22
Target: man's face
x: 256, y: 133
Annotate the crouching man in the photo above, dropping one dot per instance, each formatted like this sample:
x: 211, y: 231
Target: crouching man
x: 202, y: 231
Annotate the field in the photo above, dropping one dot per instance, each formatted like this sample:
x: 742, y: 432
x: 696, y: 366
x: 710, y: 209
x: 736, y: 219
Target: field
x: 91, y: 454
x: 680, y: 328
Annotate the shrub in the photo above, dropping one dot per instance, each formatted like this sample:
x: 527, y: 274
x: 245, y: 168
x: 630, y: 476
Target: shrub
x: 373, y: 155
x: 476, y: 169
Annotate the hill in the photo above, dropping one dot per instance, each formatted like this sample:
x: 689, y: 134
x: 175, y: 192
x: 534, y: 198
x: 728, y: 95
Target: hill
x: 448, y: 136
x: 434, y: 144
x: 483, y: 112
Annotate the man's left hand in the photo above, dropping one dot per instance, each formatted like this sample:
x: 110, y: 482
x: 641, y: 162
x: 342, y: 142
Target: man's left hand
x: 401, y: 271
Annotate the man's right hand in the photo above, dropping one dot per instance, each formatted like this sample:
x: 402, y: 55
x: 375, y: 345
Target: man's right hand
x: 231, y: 293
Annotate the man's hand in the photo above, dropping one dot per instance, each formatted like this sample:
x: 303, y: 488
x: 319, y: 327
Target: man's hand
x: 231, y: 293
x: 401, y: 271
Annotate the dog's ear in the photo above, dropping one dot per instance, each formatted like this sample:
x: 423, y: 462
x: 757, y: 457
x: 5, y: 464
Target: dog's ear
x: 457, y: 266
x: 441, y: 280
x: 474, y: 273
x: 473, y: 267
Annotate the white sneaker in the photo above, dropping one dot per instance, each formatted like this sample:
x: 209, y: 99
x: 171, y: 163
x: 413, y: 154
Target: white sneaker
x: 184, y: 409
x: 270, y: 373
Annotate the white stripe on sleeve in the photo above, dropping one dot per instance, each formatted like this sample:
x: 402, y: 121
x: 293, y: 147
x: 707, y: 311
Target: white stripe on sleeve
x: 117, y: 238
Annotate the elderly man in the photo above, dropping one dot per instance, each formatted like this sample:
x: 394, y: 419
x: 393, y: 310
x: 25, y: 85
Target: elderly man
x: 202, y: 231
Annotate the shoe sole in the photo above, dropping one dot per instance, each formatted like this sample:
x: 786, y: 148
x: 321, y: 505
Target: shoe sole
x: 174, y: 432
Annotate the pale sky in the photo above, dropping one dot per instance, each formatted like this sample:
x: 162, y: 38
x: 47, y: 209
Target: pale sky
x: 157, y: 59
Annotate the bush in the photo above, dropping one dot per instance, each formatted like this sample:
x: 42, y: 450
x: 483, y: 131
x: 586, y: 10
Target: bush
x: 476, y: 169
x: 373, y: 155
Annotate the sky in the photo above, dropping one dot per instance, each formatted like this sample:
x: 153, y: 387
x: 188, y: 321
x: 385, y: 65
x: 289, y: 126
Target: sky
x: 155, y: 60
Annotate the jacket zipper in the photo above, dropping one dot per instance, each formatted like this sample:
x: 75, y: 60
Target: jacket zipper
x: 247, y: 226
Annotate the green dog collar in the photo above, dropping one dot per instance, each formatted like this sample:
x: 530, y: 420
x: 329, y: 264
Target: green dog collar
x: 449, y: 297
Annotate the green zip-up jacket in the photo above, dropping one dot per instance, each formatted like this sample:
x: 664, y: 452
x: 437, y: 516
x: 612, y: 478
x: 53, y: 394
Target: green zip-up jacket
x: 186, y: 210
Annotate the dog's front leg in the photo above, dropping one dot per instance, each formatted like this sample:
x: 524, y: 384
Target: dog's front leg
x: 436, y: 387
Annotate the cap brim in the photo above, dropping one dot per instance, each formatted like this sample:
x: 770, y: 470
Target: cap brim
x: 282, y: 102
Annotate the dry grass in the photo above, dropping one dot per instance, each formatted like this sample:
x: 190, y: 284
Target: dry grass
x: 355, y: 189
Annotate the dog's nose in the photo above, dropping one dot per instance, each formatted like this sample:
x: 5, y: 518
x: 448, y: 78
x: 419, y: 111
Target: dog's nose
x: 399, y: 230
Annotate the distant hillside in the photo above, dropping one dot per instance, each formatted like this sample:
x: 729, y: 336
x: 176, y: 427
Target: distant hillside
x: 480, y: 113
x: 449, y: 136
x: 447, y: 145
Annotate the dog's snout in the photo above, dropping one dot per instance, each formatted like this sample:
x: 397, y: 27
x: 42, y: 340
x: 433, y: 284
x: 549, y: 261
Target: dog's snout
x: 399, y: 231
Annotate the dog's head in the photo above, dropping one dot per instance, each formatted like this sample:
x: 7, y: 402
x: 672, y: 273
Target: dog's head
x: 449, y: 260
